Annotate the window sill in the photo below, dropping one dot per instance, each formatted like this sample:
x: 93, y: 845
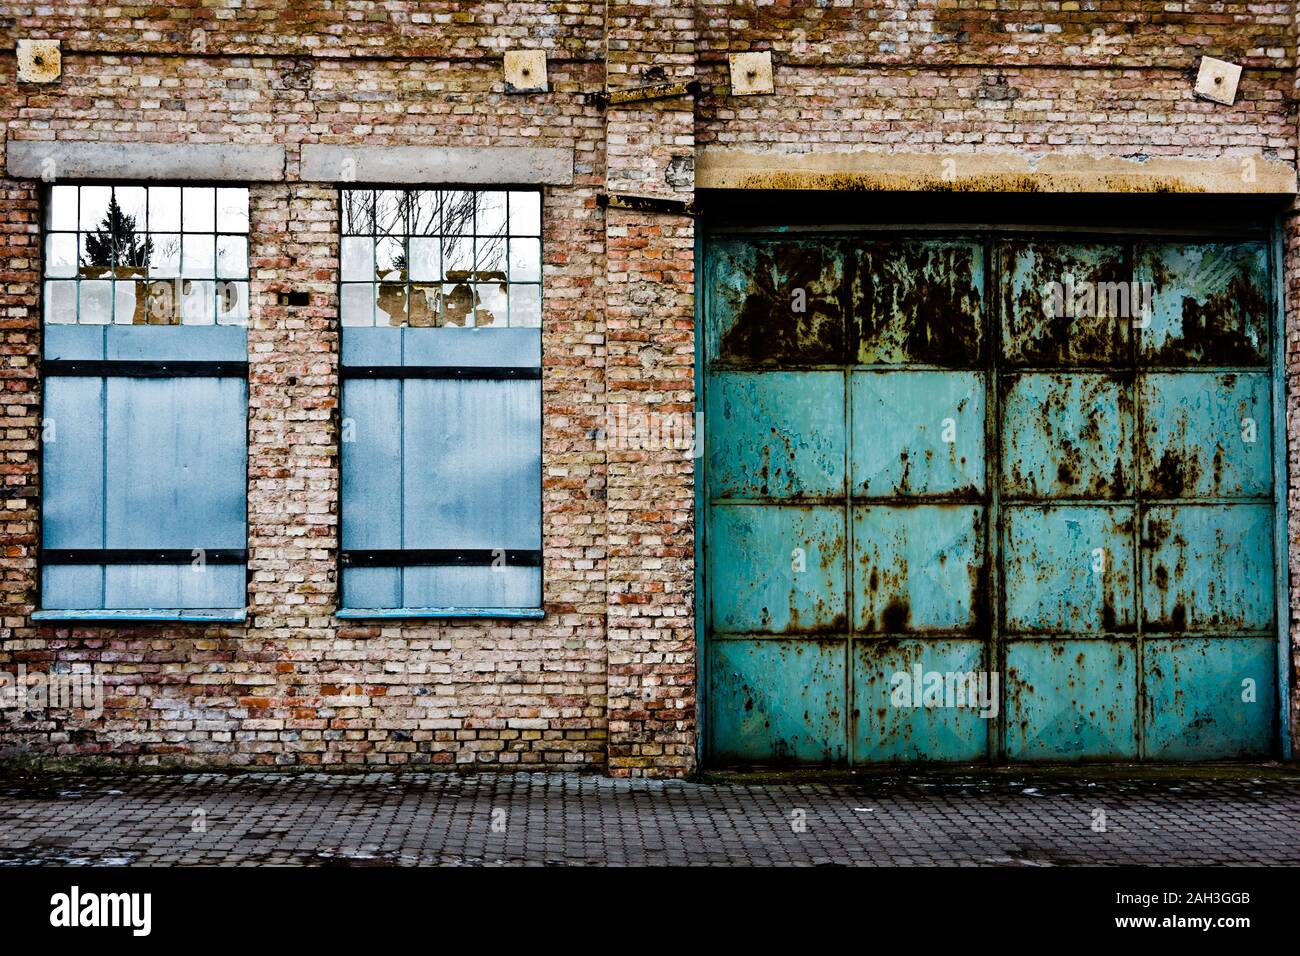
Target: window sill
x: 181, y: 615
x: 388, y: 613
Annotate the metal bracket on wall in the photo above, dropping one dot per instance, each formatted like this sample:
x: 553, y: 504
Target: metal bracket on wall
x: 640, y: 94
x: 680, y: 207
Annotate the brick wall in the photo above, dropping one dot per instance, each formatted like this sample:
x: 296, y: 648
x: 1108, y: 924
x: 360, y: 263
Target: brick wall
x: 607, y: 679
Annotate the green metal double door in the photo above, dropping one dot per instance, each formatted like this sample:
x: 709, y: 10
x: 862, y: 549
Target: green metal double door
x: 972, y: 496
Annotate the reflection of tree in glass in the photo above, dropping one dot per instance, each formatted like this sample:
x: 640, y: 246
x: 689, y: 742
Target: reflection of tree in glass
x: 116, y: 244
x: 448, y: 214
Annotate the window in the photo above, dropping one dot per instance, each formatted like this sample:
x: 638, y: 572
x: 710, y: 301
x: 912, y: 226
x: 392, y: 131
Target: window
x: 440, y: 303
x: 144, y: 463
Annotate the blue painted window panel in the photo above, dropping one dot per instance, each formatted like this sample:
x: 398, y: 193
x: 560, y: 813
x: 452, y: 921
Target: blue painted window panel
x: 1071, y: 699
x: 432, y: 463
x: 176, y: 463
x: 473, y: 587
x: 372, y: 466
x: 1209, y: 698
x: 890, y: 722
x: 1067, y: 436
x: 1207, y: 435
x: 917, y: 567
x: 174, y: 586
x: 472, y: 464
x: 1069, y: 569
x: 778, y: 569
x: 72, y: 507
x: 1208, y: 567
x: 778, y: 701
x: 902, y: 425
x: 780, y: 435
x: 72, y: 587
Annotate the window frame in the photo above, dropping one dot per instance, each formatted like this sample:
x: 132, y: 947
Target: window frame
x: 139, y: 369
x: 533, y: 612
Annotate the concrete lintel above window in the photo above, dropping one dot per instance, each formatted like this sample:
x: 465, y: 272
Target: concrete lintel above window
x: 1051, y: 172
x: 462, y: 165
x: 63, y: 160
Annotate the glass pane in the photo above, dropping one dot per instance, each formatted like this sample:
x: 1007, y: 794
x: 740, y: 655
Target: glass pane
x: 163, y: 305
x: 390, y: 307
x: 61, y: 302
x: 457, y: 257
x: 165, y: 260
x: 198, y: 302
x: 96, y: 306
x: 390, y: 259
x: 130, y: 303
x: 491, y: 304
x: 198, y: 256
x: 458, y: 214
x: 525, y: 260
x: 131, y: 200
x: 232, y: 209
x: 232, y: 257
x: 491, y: 216
x: 425, y: 306
x: 232, y: 303
x: 199, y: 209
x: 457, y: 304
x: 62, y: 211
x: 358, y: 212
x: 94, y: 207
x: 525, y: 306
x: 358, y: 255
x: 424, y: 207
x: 61, y: 254
x: 424, y: 259
x: 96, y: 255
x: 356, y: 304
x: 490, y: 257
x: 164, y: 209
x: 390, y: 211
x: 526, y: 214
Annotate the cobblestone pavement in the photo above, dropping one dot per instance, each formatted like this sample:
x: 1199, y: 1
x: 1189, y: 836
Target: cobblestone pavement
x: 1242, y: 816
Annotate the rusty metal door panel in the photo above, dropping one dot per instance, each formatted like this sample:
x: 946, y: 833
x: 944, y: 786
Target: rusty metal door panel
x: 918, y: 434
x: 777, y: 435
x: 778, y: 701
x: 1067, y: 436
x: 1071, y: 699
x: 1209, y: 698
x: 1210, y: 303
x: 1207, y: 435
x: 1069, y: 569
x: 919, y: 301
x: 1208, y: 568
x: 776, y: 303
x: 921, y: 700
x: 918, y: 568
x: 778, y: 569
x: 1114, y: 565
x: 1055, y: 300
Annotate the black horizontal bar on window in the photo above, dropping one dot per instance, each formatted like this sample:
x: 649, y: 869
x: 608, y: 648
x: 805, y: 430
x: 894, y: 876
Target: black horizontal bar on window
x: 143, y: 555
x: 134, y: 368
x: 442, y: 557
x: 488, y: 372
